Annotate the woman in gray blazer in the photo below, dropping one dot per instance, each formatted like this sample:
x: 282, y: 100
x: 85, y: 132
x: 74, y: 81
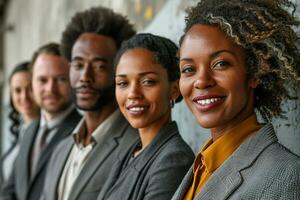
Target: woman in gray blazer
x: 236, y: 56
x: 146, y: 89
x: 23, y: 111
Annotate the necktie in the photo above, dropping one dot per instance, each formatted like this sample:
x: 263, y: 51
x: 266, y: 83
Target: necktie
x: 44, y: 138
x: 39, y: 147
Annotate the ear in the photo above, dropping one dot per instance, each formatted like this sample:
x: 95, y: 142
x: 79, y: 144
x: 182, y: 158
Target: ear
x: 253, y: 83
x: 175, y: 93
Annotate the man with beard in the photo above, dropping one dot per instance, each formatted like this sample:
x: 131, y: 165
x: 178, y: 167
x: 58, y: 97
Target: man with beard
x: 52, y: 92
x: 81, y: 164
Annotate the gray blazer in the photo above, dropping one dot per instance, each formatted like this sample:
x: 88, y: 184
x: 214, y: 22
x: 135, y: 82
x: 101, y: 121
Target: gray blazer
x: 259, y: 169
x: 20, y: 186
x: 155, y: 173
x: 97, y: 167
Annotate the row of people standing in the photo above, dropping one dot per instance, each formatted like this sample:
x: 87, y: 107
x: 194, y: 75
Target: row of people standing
x: 126, y: 146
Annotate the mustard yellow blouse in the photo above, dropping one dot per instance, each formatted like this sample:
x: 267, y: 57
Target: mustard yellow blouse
x: 213, y: 154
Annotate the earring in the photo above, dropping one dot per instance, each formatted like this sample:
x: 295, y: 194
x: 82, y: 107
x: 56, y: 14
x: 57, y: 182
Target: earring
x: 172, y: 103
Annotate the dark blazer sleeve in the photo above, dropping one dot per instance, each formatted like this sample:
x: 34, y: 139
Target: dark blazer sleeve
x: 170, y: 164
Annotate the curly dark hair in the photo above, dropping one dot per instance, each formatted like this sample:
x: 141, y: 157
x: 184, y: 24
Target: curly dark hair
x: 264, y: 28
x: 14, y: 115
x: 163, y: 49
x: 50, y: 48
x: 98, y: 20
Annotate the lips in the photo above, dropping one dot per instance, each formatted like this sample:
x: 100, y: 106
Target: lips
x: 85, y: 92
x: 50, y: 98
x: 137, y: 109
x: 208, y: 102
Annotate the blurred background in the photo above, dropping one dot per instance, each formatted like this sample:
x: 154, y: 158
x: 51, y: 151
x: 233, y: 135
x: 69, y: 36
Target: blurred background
x: 27, y: 24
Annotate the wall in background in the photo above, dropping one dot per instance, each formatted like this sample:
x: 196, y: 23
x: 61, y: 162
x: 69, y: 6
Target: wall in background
x: 36, y: 22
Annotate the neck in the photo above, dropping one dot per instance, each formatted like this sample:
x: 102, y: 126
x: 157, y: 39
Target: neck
x: 94, y: 118
x: 29, y: 118
x: 147, y: 134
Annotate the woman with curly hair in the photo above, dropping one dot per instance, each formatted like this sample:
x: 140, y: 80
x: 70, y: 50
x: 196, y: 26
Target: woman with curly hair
x: 23, y: 111
x: 146, y: 80
x: 237, y: 57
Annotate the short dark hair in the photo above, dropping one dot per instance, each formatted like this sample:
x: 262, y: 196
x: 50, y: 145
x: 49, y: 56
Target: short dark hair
x: 163, y: 49
x: 98, y: 20
x: 51, y: 48
x: 264, y: 28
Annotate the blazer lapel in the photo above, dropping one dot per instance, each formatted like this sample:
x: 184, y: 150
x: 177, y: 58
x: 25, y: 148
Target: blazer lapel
x: 227, y: 178
x: 25, y: 155
x: 184, y: 185
x: 163, y: 136
x: 98, y: 155
x: 63, y: 131
x: 61, y: 160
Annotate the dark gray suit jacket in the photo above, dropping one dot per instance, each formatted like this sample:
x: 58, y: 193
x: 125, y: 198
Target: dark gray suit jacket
x: 260, y: 169
x: 20, y: 186
x: 155, y: 173
x: 97, y: 167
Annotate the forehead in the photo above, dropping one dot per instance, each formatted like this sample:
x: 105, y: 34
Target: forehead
x: 50, y: 65
x: 20, y: 78
x: 91, y: 45
x: 207, y: 39
x: 138, y: 60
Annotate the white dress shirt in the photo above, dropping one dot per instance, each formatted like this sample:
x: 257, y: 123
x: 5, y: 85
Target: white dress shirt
x: 80, y: 153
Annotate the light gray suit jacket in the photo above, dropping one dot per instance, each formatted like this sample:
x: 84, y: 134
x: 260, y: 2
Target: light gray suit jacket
x: 20, y: 186
x: 155, y: 173
x: 97, y: 167
x: 260, y: 169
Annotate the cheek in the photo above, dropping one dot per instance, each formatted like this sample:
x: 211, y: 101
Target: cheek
x: 74, y: 76
x: 120, y: 97
x: 185, y: 87
x: 15, y: 100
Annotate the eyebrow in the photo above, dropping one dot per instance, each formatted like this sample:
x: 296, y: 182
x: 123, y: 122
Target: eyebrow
x: 212, y: 55
x: 140, y: 74
x: 103, y: 59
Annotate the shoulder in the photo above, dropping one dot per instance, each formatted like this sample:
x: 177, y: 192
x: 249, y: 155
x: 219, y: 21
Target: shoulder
x: 279, y: 156
x: 63, y: 146
x: 175, y: 151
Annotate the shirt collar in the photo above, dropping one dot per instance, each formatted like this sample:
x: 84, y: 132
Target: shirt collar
x: 80, y: 131
x: 215, y: 153
x: 57, y: 120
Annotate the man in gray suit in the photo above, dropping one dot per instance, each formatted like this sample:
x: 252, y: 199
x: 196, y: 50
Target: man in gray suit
x: 52, y: 92
x: 81, y: 164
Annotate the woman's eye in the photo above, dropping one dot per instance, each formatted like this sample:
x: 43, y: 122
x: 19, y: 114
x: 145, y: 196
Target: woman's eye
x: 121, y: 84
x: 221, y: 64
x: 187, y: 69
x: 148, y: 82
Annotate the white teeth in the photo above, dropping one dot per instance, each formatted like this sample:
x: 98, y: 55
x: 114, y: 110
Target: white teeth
x: 207, y: 101
x: 137, y: 108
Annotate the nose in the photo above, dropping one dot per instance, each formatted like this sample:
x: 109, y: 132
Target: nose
x: 135, y: 91
x: 86, y: 73
x: 51, y: 85
x: 204, y: 79
x: 24, y: 94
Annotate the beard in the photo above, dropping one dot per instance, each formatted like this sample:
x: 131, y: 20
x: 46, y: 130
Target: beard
x: 105, y: 96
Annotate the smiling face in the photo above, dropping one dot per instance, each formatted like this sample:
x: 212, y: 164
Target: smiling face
x: 91, y: 71
x: 143, y: 90
x: 21, y: 95
x: 213, y: 79
x: 50, y: 83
